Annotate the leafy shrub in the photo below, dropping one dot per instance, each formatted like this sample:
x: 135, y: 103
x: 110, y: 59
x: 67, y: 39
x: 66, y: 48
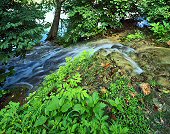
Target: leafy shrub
x: 19, y: 27
x: 85, y: 26
x: 61, y: 105
x: 90, y: 18
x: 162, y: 31
x: 158, y: 14
x: 3, y: 92
x: 136, y: 36
x: 156, y: 10
x: 4, y: 74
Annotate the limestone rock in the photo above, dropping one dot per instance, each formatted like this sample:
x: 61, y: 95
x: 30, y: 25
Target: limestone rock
x: 156, y: 63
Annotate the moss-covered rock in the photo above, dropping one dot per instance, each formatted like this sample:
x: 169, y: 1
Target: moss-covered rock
x: 156, y: 63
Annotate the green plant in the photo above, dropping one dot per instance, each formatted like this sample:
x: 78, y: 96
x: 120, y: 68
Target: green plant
x: 154, y: 83
x: 3, y: 92
x: 88, y: 28
x: 87, y: 19
x: 136, y: 36
x: 62, y: 105
x: 161, y: 31
x: 155, y: 10
x: 158, y: 14
x: 19, y: 27
x: 4, y: 74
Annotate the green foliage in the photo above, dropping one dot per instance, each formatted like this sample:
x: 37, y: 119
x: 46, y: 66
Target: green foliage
x: 154, y: 84
x: 136, y: 36
x: 161, y: 31
x: 128, y: 105
x: 88, y: 19
x: 91, y: 18
x: 85, y: 26
x: 156, y: 10
x: 19, y: 27
x: 3, y: 92
x: 62, y: 105
x: 158, y: 14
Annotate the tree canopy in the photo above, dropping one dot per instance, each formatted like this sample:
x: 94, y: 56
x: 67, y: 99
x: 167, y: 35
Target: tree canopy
x: 21, y: 21
x: 21, y: 25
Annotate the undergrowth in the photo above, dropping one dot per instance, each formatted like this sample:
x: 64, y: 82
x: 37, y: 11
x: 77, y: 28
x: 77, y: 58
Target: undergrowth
x: 3, y: 92
x: 138, y: 35
x: 62, y: 105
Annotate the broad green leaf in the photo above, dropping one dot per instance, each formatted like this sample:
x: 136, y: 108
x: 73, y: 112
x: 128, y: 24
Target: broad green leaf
x: 95, y: 97
x: 41, y: 120
x: 90, y: 102
x: 65, y: 107
x: 53, y: 104
x: 79, y: 108
x: 61, y: 101
x: 44, y: 131
x: 98, y: 110
x: 117, y: 101
x: 124, y: 130
x: 112, y: 102
x: 104, y: 118
x: 119, y: 107
x: 74, y: 127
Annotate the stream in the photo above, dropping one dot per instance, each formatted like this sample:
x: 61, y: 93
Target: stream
x: 45, y: 59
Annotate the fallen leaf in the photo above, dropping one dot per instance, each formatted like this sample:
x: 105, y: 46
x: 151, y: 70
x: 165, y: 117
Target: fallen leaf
x: 146, y: 89
x: 103, y: 90
x: 113, y: 117
x: 102, y: 64
x: 133, y: 94
x: 109, y: 109
x: 107, y: 65
x: 127, y: 102
x: 129, y: 85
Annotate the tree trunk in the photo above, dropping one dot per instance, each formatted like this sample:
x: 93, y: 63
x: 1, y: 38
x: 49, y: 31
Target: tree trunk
x: 55, y: 25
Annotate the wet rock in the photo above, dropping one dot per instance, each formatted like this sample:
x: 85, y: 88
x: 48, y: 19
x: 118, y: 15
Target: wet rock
x: 123, y: 48
x: 164, y: 81
x: 156, y: 63
x: 121, y: 61
x: 24, y: 85
x: 15, y: 94
x: 146, y: 89
x: 100, y: 54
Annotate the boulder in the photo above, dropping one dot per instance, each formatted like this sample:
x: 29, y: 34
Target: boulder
x: 156, y: 63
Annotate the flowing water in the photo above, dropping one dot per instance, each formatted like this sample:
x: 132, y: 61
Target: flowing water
x: 45, y: 59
